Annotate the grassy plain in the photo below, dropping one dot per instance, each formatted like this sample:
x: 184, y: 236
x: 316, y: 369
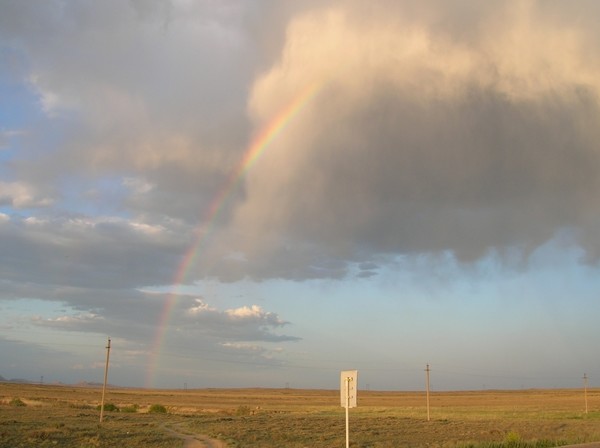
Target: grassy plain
x: 67, y: 416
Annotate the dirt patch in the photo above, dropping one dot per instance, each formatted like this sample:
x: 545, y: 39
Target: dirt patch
x: 195, y: 440
x: 34, y: 402
x: 584, y: 445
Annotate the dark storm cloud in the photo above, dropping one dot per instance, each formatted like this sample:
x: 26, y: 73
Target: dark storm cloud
x: 93, y: 253
x: 427, y: 140
x: 465, y: 128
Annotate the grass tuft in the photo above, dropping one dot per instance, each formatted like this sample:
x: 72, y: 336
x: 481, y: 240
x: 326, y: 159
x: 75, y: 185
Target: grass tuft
x: 517, y: 444
x: 130, y: 409
x: 17, y: 402
x: 242, y: 410
x: 157, y: 409
x: 109, y: 407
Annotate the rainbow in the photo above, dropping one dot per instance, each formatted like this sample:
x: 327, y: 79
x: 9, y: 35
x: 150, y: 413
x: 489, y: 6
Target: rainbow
x: 258, y: 146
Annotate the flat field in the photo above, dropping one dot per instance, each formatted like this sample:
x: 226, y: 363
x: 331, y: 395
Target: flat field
x: 68, y: 416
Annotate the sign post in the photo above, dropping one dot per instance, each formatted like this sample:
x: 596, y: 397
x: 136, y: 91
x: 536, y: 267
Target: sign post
x: 348, y: 387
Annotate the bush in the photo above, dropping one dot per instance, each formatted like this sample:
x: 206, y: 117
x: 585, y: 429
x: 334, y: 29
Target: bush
x: 157, y: 409
x: 109, y: 407
x: 512, y: 438
x: 242, y: 410
x: 17, y: 402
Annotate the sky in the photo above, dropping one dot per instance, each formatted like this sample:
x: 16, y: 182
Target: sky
x: 263, y: 193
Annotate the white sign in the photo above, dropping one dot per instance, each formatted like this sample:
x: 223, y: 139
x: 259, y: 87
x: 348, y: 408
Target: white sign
x: 348, y: 387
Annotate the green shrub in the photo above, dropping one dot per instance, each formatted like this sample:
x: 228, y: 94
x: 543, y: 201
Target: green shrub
x: 157, y: 409
x: 109, y: 407
x: 17, y: 402
x: 512, y: 438
x: 242, y: 410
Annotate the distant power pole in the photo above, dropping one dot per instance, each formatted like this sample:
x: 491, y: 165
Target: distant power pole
x: 105, y: 378
x: 427, y: 370
x: 585, y: 386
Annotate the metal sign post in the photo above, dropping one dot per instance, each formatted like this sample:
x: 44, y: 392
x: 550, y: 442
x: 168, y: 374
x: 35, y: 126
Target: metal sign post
x: 348, y: 386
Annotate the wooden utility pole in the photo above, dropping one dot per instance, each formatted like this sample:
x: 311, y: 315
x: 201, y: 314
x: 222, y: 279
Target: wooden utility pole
x: 585, y: 386
x: 105, y: 378
x: 427, y: 370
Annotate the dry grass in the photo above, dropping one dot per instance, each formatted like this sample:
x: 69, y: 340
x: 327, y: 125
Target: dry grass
x: 44, y: 415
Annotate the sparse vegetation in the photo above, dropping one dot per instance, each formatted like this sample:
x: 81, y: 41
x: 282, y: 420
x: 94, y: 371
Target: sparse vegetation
x: 520, y: 444
x: 62, y: 416
x: 109, y: 407
x: 513, y: 439
x: 243, y: 410
x: 130, y: 409
x: 157, y: 409
x: 17, y: 402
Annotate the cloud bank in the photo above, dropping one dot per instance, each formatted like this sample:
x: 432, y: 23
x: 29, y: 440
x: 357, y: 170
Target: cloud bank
x: 459, y: 130
x: 425, y: 142
x: 436, y: 128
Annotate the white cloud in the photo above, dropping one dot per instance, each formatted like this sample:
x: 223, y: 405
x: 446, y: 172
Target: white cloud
x: 7, y: 135
x: 254, y: 351
x: 254, y: 313
x: 243, y: 346
x: 137, y: 185
x: 51, y: 103
x: 201, y: 307
x: 22, y: 195
x: 147, y: 229
x: 67, y: 321
x: 245, y: 311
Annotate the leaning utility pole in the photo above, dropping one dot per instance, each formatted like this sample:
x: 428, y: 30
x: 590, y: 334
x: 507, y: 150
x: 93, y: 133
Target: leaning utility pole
x: 585, y: 386
x: 427, y: 370
x: 105, y: 378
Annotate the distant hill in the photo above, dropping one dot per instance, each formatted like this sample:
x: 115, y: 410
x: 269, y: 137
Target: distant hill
x: 88, y: 384
x: 14, y: 380
x: 56, y: 383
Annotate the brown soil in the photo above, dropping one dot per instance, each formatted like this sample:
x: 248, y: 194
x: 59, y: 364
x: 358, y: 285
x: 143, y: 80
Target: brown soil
x: 196, y: 440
